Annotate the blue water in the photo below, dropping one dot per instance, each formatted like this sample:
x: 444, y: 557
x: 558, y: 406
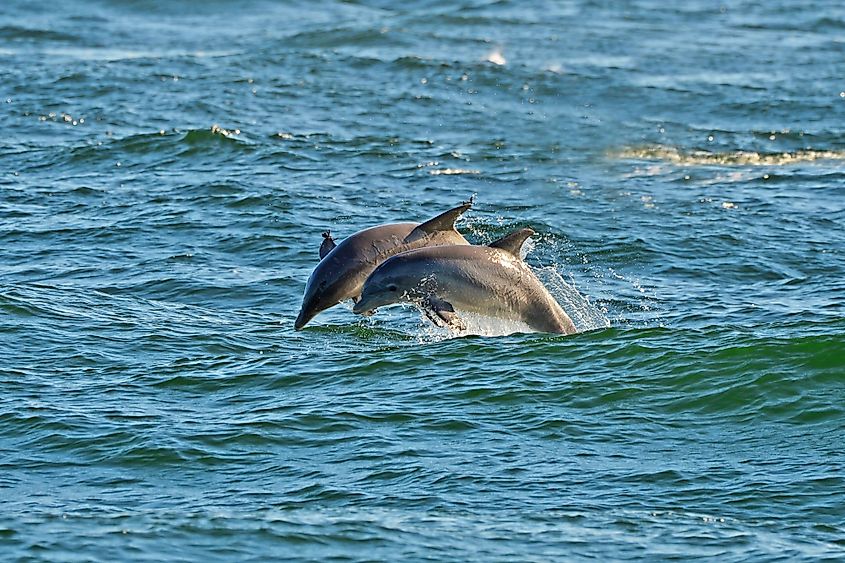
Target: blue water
x: 166, y: 170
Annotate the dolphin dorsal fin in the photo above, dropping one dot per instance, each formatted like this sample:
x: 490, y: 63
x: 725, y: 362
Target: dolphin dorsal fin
x: 443, y: 222
x: 512, y: 242
x: 327, y: 245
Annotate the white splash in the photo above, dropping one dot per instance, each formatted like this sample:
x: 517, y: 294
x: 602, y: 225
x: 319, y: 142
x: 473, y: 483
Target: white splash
x: 453, y: 171
x: 584, y: 313
x: 496, y: 57
x: 474, y: 325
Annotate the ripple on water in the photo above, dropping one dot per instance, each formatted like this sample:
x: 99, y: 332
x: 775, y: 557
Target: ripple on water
x: 166, y: 174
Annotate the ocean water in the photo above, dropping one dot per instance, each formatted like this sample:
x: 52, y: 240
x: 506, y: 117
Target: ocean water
x: 167, y: 167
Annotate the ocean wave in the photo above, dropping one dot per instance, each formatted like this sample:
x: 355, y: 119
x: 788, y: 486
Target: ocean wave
x: 164, y: 145
x: 683, y: 157
x: 18, y: 33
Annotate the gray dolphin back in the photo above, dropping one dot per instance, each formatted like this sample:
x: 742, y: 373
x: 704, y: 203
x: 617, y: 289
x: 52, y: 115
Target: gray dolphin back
x: 489, y: 280
x: 344, y: 267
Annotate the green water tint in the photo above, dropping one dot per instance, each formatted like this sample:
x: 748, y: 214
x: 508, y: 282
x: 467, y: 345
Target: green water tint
x: 166, y: 174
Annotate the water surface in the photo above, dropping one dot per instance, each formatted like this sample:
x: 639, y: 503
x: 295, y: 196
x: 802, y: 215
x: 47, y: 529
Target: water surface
x: 167, y: 168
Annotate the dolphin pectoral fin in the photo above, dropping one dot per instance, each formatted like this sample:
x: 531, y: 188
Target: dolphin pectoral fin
x: 443, y: 222
x: 442, y: 314
x: 512, y: 242
x: 327, y: 245
x: 432, y: 316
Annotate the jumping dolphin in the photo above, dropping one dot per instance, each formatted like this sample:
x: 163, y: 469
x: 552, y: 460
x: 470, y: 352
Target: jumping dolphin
x: 489, y: 280
x: 344, y: 267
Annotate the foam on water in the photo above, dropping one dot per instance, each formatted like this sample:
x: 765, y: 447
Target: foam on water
x: 675, y: 155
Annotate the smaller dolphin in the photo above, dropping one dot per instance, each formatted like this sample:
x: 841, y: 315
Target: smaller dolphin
x: 489, y: 280
x: 344, y: 267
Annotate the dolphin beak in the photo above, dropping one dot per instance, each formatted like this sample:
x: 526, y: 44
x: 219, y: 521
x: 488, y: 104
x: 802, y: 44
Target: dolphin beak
x: 360, y: 308
x: 302, y: 319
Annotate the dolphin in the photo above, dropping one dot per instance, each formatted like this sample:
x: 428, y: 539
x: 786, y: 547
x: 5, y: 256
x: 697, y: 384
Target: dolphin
x: 489, y: 280
x: 344, y: 267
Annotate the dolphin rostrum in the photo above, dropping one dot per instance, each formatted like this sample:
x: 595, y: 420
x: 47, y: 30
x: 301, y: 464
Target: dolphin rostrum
x: 489, y: 280
x: 344, y: 267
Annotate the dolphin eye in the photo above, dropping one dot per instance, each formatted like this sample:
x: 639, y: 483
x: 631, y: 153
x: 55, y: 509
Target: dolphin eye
x: 392, y: 287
